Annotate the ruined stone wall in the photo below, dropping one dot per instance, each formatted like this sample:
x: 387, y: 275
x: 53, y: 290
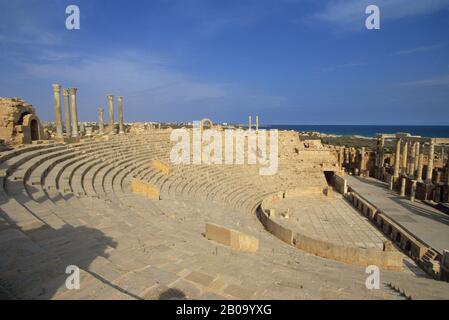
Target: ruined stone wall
x: 18, y: 121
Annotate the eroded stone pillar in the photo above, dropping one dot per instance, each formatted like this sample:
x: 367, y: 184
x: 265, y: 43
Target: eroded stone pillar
x: 120, y: 115
x: 341, y: 157
x: 413, y: 191
x: 57, y: 102
x: 420, y: 167
x: 380, y: 152
x: 68, y: 124
x: 257, y: 123
x: 362, y: 161
x: 417, y: 153
x: 403, y: 183
x: 412, y: 160
x: 397, y: 158
x: 404, y: 158
x: 430, y: 162
x: 74, y: 112
x: 111, y: 114
x: 249, y: 123
x: 447, y: 170
x: 100, y: 120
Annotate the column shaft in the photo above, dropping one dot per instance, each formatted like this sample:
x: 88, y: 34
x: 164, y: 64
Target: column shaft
x: 412, y: 160
x: 111, y: 114
x: 404, y: 158
x: 120, y: 115
x: 57, y: 102
x: 74, y: 112
x: 417, y: 152
x: 420, y: 167
x: 68, y: 124
x: 430, y: 162
x: 397, y: 158
x: 249, y: 123
x: 100, y: 120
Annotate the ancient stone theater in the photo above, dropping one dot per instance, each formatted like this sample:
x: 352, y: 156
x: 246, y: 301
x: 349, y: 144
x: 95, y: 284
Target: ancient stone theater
x: 100, y: 210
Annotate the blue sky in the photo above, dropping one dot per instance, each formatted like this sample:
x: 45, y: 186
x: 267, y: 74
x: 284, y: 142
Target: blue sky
x: 289, y: 61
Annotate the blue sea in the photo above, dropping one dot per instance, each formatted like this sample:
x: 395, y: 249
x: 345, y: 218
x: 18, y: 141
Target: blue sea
x: 367, y: 130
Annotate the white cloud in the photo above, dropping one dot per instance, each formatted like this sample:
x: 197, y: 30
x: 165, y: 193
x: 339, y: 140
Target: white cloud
x: 418, y: 49
x: 131, y: 73
x: 351, y: 14
x: 430, y: 82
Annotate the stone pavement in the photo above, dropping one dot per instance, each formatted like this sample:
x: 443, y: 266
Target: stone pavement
x: 333, y: 220
x: 423, y: 221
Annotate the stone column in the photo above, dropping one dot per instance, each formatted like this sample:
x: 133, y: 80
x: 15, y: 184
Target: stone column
x: 257, y: 123
x: 447, y: 170
x: 100, y: 120
x: 430, y: 162
x: 68, y: 124
x: 413, y: 191
x: 413, y: 160
x: 111, y: 113
x: 74, y: 112
x: 397, y: 158
x: 249, y: 123
x: 380, y: 158
x: 120, y: 115
x: 403, y: 182
x: 420, y: 167
x: 404, y: 158
x: 58, y: 117
x: 362, y: 161
x: 417, y: 152
x: 341, y: 157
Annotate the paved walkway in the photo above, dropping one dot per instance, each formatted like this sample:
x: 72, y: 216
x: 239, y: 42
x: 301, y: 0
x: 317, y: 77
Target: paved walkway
x: 426, y: 223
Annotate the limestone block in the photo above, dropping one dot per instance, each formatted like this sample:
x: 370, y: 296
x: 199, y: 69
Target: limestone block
x: 231, y: 238
x: 160, y: 166
x: 145, y: 189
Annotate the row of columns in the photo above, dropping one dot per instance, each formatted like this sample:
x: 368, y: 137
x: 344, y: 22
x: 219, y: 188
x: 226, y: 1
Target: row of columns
x: 71, y: 114
x: 250, y: 124
x: 70, y: 111
x: 403, y: 166
x: 111, y: 115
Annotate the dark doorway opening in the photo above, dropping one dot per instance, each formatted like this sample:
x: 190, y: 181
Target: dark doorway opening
x: 34, y: 130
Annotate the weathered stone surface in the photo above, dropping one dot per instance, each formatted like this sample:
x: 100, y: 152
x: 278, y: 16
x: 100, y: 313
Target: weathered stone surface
x: 160, y: 166
x: 145, y: 189
x: 231, y: 238
x: 19, y: 123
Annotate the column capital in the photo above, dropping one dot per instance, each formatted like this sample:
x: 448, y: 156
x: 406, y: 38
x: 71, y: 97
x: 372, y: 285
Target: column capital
x: 110, y: 97
x: 65, y: 92
x: 100, y: 110
x: 72, y: 90
x: 120, y: 98
x: 56, y: 88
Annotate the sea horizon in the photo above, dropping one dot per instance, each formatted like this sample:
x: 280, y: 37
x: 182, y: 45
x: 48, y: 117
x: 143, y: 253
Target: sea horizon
x: 441, y: 131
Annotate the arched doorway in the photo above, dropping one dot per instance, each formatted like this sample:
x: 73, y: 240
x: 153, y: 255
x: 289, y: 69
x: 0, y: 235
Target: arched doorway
x: 208, y: 121
x: 34, y: 130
